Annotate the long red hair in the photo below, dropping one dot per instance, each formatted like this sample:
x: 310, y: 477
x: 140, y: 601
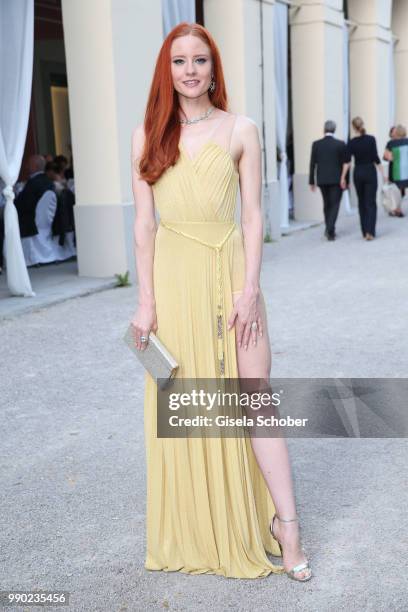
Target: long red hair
x: 161, y: 121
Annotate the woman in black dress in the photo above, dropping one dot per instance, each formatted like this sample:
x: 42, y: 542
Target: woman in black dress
x: 363, y: 148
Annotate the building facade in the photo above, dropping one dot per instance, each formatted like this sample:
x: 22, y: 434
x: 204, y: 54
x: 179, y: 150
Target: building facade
x: 289, y: 65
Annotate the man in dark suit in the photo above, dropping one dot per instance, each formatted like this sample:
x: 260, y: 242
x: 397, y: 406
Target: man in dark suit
x: 27, y: 200
x: 326, y: 162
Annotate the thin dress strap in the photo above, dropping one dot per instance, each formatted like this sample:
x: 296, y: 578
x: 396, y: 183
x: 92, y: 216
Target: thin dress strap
x: 230, y: 136
x: 220, y: 122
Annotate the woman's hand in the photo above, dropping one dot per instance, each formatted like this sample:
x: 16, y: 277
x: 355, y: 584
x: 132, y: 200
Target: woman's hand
x: 343, y: 183
x: 144, y: 321
x: 244, y: 313
x: 381, y: 171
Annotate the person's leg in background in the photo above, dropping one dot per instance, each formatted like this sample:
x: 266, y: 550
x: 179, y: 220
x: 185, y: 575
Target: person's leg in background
x: 371, y: 204
x: 325, y: 195
x: 398, y: 211
x: 334, y: 198
x: 359, y: 185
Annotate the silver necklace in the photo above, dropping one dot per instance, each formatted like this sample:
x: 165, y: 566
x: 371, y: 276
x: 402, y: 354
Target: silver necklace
x: 197, y: 119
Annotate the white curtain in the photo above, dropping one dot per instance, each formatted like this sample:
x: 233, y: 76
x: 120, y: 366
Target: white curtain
x: 16, y: 70
x: 281, y: 103
x: 346, y: 102
x: 176, y: 11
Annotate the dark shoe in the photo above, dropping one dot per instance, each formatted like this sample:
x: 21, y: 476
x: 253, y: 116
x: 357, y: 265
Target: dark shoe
x: 331, y: 237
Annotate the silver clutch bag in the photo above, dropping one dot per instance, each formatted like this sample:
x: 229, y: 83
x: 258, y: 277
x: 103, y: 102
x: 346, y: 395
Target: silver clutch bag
x: 155, y: 358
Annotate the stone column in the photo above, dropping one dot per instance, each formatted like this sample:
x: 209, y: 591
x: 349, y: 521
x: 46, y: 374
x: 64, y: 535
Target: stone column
x: 400, y: 29
x: 111, y: 49
x: 317, y: 89
x: 236, y: 27
x: 370, y: 86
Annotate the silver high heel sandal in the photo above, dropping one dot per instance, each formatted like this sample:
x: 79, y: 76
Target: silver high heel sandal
x: 297, y: 568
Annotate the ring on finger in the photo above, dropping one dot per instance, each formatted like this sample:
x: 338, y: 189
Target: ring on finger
x: 143, y: 339
x: 254, y: 325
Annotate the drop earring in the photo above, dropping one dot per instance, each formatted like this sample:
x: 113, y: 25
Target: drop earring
x: 212, y: 84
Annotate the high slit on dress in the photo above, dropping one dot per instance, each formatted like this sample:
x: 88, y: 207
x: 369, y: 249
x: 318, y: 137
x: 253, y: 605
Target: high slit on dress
x: 208, y: 507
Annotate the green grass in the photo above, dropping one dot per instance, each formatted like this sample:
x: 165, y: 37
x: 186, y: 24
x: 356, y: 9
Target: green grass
x: 123, y: 279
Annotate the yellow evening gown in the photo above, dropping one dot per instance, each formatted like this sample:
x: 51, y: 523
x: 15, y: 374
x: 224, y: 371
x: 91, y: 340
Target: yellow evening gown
x: 208, y: 507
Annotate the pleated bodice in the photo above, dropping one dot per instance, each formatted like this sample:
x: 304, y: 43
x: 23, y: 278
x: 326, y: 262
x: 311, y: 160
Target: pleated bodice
x: 200, y: 189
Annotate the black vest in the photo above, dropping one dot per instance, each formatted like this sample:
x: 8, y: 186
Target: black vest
x: 27, y: 200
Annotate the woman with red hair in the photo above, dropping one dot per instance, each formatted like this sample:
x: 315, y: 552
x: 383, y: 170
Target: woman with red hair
x: 209, y: 500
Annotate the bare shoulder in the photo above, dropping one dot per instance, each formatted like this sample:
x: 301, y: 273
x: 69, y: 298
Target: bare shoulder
x: 245, y: 125
x: 246, y: 137
x: 246, y: 130
x: 138, y: 140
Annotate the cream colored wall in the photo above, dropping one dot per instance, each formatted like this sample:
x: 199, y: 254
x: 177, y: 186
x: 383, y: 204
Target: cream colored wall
x: 111, y: 49
x: 231, y: 44
x: 137, y: 38
x: 370, y: 65
x: 92, y: 91
x: 400, y: 29
x: 235, y: 25
x: 335, y: 4
x: 317, y: 89
x: 370, y: 12
x: 240, y: 49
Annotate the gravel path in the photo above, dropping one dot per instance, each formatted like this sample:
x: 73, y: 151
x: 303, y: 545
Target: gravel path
x: 72, y: 453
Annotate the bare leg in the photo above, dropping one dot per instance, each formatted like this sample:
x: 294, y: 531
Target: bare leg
x: 272, y: 453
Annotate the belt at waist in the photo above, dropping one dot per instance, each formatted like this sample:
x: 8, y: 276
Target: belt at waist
x: 196, y: 230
